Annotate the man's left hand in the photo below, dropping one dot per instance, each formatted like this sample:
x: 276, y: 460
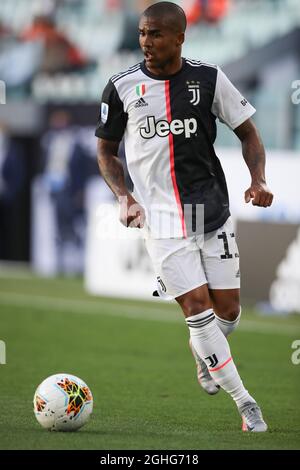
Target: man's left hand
x: 260, y: 194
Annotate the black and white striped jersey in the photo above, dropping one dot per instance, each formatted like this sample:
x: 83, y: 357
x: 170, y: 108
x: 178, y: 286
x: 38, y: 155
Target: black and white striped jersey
x: 169, y: 128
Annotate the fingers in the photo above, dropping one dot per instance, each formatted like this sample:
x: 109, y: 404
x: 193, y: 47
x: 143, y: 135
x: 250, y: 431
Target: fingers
x: 260, y: 197
x: 131, y: 214
x: 141, y: 220
x: 270, y: 199
x: 248, y: 196
x: 134, y: 221
x: 129, y: 220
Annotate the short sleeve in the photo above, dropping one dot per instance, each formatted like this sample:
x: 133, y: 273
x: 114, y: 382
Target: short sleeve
x: 229, y: 105
x: 112, y: 118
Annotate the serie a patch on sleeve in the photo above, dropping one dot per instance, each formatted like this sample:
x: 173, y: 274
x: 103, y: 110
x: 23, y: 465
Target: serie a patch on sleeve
x: 104, y: 112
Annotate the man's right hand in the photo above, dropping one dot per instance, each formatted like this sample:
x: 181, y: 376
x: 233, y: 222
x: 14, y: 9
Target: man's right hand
x: 132, y: 213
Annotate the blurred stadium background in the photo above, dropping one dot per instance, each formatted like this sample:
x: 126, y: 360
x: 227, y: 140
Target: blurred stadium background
x: 55, y: 58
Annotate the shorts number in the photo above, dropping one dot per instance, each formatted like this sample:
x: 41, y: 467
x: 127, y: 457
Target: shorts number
x: 227, y: 254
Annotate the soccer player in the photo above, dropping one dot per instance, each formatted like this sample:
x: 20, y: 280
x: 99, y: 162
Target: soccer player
x: 166, y: 109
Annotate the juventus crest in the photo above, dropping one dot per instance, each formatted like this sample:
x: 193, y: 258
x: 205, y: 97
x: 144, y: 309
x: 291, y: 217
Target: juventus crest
x: 213, y: 360
x: 194, y: 89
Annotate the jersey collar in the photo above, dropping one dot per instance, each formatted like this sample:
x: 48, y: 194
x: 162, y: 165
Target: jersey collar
x: 162, y: 77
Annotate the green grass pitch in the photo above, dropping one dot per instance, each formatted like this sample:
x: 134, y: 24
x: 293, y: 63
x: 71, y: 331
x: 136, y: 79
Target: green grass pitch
x: 135, y: 358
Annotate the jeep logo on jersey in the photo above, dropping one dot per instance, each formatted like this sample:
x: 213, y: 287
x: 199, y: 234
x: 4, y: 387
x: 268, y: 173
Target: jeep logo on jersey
x: 163, y: 128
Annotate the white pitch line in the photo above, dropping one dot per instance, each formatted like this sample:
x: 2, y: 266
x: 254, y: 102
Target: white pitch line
x: 106, y: 307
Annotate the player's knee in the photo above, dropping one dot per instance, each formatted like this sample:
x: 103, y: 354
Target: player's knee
x: 193, y: 308
x: 231, y: 312
x: 195, y: 301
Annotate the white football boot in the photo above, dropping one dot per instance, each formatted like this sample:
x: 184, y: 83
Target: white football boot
x: 252, y: 419
x: 204, y: 378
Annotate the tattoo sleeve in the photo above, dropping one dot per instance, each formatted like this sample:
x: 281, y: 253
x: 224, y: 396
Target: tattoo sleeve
x: 111, y: 167
x: 254, y: 156
x: 253, y: 150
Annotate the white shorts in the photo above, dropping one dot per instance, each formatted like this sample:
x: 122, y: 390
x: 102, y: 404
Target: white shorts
x: 181, y: 264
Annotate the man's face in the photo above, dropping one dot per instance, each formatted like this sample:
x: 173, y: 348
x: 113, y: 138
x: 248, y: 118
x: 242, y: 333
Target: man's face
x: 161, y: 45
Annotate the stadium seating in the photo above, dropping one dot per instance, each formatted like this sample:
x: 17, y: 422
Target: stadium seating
x: 96, y: 30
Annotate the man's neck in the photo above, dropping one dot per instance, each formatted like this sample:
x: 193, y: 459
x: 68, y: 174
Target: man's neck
x: 168, y: 69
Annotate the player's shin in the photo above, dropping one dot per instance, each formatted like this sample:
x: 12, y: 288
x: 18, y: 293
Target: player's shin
x: 212, y: 346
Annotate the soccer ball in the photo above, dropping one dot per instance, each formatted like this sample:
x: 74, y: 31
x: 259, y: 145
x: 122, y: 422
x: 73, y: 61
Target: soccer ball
x: 62, y: 402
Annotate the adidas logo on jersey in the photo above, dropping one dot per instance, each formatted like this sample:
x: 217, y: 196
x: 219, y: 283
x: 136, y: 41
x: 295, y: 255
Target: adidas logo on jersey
x: 140, y: 103
x: 163, y: 128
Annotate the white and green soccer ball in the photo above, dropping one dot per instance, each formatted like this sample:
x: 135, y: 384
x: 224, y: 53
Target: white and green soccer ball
x: 62, y: 402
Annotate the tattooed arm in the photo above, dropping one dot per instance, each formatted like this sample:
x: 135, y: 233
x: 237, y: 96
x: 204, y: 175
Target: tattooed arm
x: 131, y: 213
x: 254, y: 156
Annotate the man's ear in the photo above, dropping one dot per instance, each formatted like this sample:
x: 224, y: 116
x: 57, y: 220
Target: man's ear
x: 180, y: 39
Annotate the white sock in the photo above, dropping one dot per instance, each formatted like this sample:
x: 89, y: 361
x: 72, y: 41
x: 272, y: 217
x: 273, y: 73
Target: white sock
x: 213, y: 348
x: 227, y: 326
